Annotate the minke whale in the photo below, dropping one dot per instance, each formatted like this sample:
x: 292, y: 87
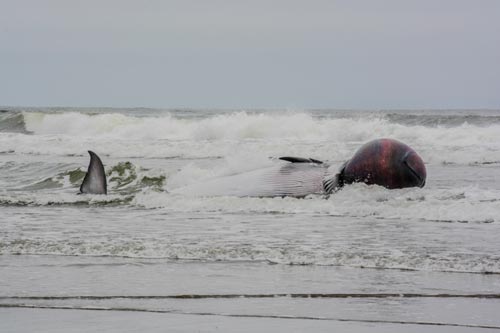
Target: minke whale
x: 95, y: 179
x: 385, y: 162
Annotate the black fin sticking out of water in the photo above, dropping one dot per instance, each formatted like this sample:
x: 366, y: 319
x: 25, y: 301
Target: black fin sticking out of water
x: 95, y: 179
x: 300, y: 160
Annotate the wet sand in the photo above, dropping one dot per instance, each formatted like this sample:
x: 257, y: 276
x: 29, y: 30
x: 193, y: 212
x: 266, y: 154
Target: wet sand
x: 67, y: 294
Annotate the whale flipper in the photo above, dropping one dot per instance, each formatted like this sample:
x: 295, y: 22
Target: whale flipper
x: 333, y: 182
x: 95, y: 179
x: 300, y: 160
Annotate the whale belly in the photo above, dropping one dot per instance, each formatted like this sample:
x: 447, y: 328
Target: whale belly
x: 291, y: 179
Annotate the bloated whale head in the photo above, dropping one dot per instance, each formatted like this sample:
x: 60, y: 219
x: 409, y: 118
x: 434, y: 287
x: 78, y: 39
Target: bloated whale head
x: 385, y: 162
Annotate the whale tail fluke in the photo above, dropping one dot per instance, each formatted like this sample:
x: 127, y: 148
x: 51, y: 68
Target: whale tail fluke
x: 95, y: 179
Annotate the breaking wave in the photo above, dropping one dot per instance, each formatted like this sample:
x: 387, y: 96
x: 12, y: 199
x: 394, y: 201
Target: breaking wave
x: 12, y: 122
x: 124, y: 180
x: 44, y: 159
x: 305, y: 254
x: 443, y: 139
x: 248, y: 125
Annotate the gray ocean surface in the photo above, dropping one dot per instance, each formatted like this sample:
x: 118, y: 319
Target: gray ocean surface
x: 363, y: 259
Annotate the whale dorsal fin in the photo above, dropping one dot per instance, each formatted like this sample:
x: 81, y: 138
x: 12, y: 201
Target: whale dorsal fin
x: 300, y: 160
x: 95, y: 179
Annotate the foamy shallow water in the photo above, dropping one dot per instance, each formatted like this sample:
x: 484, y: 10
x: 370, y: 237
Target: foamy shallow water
x: 450, y: 227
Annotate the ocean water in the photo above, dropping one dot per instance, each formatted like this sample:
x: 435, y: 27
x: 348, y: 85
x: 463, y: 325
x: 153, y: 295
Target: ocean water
x: 364, y: 255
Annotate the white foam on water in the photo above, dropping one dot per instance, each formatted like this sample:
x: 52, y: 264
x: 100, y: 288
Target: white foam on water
x: 468, y: 204
x: 243, y: 125
x: 439, y: 227
x: 121, y: 135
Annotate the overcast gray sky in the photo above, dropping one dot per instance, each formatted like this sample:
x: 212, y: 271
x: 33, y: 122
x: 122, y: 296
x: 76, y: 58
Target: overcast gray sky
x: 245, y: 54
